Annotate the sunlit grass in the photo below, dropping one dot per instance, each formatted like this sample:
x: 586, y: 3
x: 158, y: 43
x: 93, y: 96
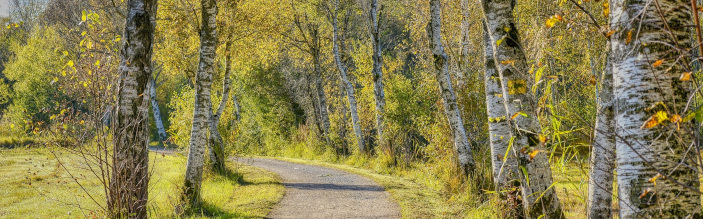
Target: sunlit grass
x: 34, y: 185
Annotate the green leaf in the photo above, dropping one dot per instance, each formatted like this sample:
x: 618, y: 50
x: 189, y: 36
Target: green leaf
x: 499, y: 42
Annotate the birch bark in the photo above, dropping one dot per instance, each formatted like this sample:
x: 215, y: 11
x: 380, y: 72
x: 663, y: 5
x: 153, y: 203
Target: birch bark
x: 348, y: 87
x: 156, y: 111
x: 648, y: 33
x: 600, y: 184
x: 498, y: 127
x: 536, y: 177
x: 377, y: 72
x: 203, y: 106
x: 461, y: 143
x: 129, y: 182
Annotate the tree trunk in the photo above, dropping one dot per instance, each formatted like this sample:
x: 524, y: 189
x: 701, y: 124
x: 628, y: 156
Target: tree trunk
x: 129, y: 182
x: 203, y: 106
x: 347, y: 85
x: 600, y: 183
x: 461, y: 143
x: 465, y: 46
x: 379, y: 94
x: 321, y: 99
x: 217, y: 147
x: 649, y: 96
x: 157, y: 112
x: 519, y: 103
x: 498, y: 127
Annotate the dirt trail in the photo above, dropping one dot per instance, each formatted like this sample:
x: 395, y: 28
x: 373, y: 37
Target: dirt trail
x: 320, y: 192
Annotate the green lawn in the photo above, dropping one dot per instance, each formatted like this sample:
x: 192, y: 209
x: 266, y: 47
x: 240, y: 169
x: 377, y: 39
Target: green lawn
x: 34, y: 185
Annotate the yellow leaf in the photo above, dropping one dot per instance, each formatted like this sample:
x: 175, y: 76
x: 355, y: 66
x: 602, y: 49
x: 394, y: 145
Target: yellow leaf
x: 675, y: 118
x: 645, y: 192
x: 70, y: 63
x: 606, y: 9
x: 507, y: 62
x: 655, y: 120
x: 558, y: 17
x: 514, y: 116
x: 534, y: 153
x: 542, y: 138
x: 84, y: 16
x: 658, y: 63
x: 12, y: 126
x: 686, y: 76
x: 82, y: 122
x: 498, y: 42
x: 551, y: 22
x: 97, y: 63
x: 654, y: 179
x: 608, y: 34
x: 629, y: 37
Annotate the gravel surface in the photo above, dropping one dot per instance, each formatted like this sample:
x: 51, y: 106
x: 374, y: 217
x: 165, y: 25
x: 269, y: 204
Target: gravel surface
x: 320, y: 192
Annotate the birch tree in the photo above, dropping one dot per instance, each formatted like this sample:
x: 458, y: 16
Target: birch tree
x: 657, y: 177
x: 216, y: 143
x: 451, y: 109
x: 377, y: 72
x: 600, y: 183
x: 538, y: 195
x: 156, y: 111
x: 498, y: 127
x: 348, y: 86
x: 128, y: 186
x: 203, y: 106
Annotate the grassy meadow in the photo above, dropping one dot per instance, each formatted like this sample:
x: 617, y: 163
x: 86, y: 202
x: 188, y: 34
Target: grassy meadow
x: 34, y: 184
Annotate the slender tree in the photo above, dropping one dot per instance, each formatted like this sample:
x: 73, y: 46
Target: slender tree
x: 657, y: 177
x: 128, y: 186
x: 348, y: 86
x: 538, y: 196
x: 156, y: 111
x: 451, y: 109
x: 203, y: 106
x: 216, y: 143
x: 379, y: 94
x: 600, y: 183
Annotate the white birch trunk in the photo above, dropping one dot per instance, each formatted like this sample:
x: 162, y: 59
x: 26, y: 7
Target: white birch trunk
x: 322, y: 99
x: 156, y: 111
x: 203, y: 106
x: 511, y: 65
x: 498, y: 127
x: 600, y: 183
x: 461, y: 143
x: 641, y: 40
x: 129, y: 181
x: 216, y: 143
x: 377, y: 72
x: 348, y: 87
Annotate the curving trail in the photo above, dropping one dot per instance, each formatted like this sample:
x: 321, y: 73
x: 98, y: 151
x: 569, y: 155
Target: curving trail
x: 320, y: 192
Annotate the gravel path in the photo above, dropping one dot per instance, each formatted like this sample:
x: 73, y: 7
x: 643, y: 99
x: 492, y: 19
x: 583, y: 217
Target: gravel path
x: 320, y: 192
